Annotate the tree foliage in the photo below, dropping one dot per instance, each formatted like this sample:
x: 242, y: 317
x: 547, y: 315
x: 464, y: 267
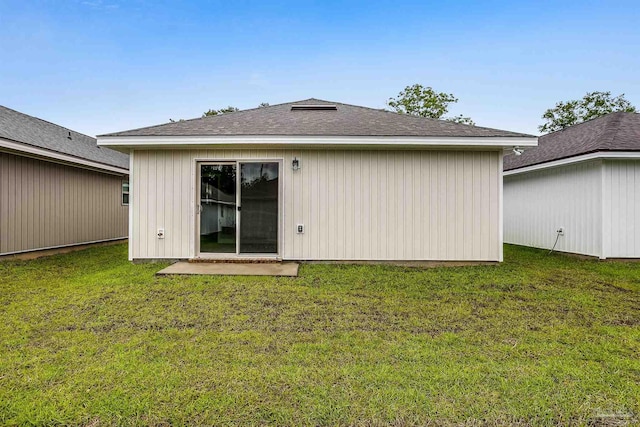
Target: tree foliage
x: 418, y: 100
x: 591, y: 106
x: 461, y: 119
x: 228, y: 109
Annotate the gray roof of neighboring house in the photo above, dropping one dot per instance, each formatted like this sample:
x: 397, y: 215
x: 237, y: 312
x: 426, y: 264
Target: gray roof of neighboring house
x: 346, y: 120
x: 39, y: 133
x: 613, y: 132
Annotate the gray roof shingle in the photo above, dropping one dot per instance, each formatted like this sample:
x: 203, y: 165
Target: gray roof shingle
x: 614, y: 132
x: 346, y: 120
x: 29, y: 130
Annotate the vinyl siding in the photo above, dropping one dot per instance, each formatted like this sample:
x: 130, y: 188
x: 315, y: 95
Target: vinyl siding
x: 537, y: 203
x: 355, y: 205
x: 45, y: 204
x: 621, y: 206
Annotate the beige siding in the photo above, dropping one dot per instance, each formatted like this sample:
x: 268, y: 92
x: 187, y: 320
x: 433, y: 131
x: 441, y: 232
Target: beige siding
x: 537, y: 203
x: 621, y: 206
x: 355, y: 205
x: 45, y: 204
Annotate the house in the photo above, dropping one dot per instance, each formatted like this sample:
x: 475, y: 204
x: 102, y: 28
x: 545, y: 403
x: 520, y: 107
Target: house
x: 57, y: 187
x: 578, y: 190
x: 317, y: 180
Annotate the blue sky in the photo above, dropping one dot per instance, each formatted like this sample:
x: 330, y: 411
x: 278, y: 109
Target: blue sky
x: 98, y: 66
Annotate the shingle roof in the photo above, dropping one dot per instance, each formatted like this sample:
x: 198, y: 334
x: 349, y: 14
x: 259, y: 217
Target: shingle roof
x: 346, y: 120
x: 613, y: 132
x: 29, y: 130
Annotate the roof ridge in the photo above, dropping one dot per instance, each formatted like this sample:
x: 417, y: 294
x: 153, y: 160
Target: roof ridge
x: 47, y: 121
x: 615, y: 123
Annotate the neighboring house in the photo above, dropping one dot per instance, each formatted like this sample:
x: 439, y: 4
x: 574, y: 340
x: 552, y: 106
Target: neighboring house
x: 585, y: 180
x: 318, y: 180
x: 57, y: 187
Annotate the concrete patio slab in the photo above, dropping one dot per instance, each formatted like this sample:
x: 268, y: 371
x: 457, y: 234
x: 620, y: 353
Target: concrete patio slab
x: 232, y: 269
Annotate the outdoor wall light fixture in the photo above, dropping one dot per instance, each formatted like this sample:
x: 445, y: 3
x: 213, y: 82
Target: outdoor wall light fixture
x: 295, y: 164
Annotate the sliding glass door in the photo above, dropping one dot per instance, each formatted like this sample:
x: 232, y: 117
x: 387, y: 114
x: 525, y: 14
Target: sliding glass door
x: 218, y: 208
x: 239, y: 217
x: 259, y: 213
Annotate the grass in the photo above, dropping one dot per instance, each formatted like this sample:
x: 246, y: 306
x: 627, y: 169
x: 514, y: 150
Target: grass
x: 88, y: 338
x: 222, y: 242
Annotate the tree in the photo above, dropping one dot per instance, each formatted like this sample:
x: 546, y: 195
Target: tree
x: 591, y: 106
x: 229, y: 109
x: 418, y: 100
x: 461, y: 119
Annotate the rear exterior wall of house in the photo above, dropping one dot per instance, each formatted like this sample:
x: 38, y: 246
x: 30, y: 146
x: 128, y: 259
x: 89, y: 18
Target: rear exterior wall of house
x: 355, y: 204
x: 45, y: 205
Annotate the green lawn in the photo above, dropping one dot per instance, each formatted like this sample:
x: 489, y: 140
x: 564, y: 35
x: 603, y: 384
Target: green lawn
x: 88, y: 338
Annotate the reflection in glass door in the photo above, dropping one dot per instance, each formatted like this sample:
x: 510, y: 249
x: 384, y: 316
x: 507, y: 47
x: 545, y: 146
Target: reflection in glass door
x: 218, y: 208
x: 259, y: 208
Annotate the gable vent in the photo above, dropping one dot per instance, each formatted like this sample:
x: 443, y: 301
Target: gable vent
x: 316, y: 107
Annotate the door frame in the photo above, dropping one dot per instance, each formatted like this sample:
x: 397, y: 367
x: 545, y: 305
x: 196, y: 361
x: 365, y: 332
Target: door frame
x: 237, y: 161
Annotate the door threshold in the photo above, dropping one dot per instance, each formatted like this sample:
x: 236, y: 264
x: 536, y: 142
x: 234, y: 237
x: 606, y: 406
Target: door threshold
x: 238, y: 260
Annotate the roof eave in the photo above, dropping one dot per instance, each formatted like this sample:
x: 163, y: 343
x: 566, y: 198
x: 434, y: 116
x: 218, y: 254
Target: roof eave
x: 288, y: 141
x: 582, y: 157
x: 28, y: 150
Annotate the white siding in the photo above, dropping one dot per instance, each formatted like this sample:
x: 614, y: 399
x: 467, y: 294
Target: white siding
x: 356, y: 205
x: 621, y: 208
x: 537, y: 203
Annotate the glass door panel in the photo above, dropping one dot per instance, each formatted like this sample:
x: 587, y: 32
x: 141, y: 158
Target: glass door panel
x: 259, y: 207
x: 218, y: 208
